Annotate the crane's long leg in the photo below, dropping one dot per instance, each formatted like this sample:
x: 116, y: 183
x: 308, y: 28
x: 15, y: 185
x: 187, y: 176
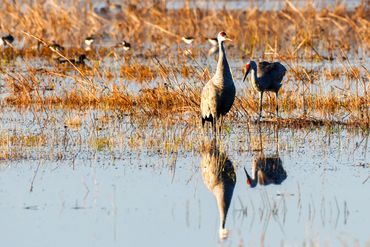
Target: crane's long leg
x: 220, y: 124
x: 277, y: 105
x: 261, y: 96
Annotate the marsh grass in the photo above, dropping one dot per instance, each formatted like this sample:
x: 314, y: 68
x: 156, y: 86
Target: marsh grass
x: 292, y: 35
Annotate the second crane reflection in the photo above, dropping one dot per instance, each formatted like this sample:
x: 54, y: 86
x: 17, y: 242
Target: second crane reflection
x: 218, y: 175
x: 266, y: 169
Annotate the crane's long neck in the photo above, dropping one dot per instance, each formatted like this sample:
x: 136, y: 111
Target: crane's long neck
x: 254, y: 78
x: 223, y: 74
x: 254, y: 75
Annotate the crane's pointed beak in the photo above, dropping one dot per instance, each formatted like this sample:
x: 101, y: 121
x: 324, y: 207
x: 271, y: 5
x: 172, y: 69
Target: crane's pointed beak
x: 228, y: 39
x: 249, y: 179
x: 246, y: 73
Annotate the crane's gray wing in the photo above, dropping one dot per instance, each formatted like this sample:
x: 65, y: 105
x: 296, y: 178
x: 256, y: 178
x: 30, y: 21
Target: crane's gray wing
x: 271, y: 71
x: 265, y: 68
x: 208, y: 103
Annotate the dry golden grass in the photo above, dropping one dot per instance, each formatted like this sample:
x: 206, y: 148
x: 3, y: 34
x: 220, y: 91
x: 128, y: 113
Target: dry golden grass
x: 291, y: 32
x: 292, y: 35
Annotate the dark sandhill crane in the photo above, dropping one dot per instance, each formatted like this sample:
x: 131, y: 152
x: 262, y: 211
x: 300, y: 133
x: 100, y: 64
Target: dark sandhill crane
x: 266, y: 77
x: 219, y: 93
x: 218, y: 175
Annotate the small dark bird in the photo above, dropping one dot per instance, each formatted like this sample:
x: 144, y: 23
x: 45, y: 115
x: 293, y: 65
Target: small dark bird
x: 213, y: 41
x: 6, y: 40
x: 188, y: 40
x: 56, y: 47
x: 266, y: 77
x: 89, y: 40
x: 125, y: 45
x: 77, y: 62
x: 88, y: 43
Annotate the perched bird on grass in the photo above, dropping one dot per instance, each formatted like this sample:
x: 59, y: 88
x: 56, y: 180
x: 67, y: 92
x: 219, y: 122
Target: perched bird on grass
x: 56, y: 47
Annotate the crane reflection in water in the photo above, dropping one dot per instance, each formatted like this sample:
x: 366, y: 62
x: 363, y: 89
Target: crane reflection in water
x: 266, y: 169
x: 218, y: 175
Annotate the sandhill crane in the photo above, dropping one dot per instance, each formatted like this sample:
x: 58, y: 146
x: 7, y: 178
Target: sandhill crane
x: 218, y: 175
x: 266, y: 77
x: 218, y: 94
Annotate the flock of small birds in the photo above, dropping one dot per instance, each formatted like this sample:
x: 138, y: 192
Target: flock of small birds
x: 7, y: 41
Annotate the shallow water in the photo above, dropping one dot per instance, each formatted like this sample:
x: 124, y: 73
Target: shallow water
x: 259, y: 4
x: 119, y: 195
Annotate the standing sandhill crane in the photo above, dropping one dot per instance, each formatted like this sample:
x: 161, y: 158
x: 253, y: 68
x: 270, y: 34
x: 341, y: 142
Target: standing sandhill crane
x: 218, y: 175
x: 219, y: 93
x: 266, y: 77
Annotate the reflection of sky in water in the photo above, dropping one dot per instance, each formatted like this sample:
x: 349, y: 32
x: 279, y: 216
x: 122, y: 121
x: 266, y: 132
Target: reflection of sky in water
x: 137, y: 200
